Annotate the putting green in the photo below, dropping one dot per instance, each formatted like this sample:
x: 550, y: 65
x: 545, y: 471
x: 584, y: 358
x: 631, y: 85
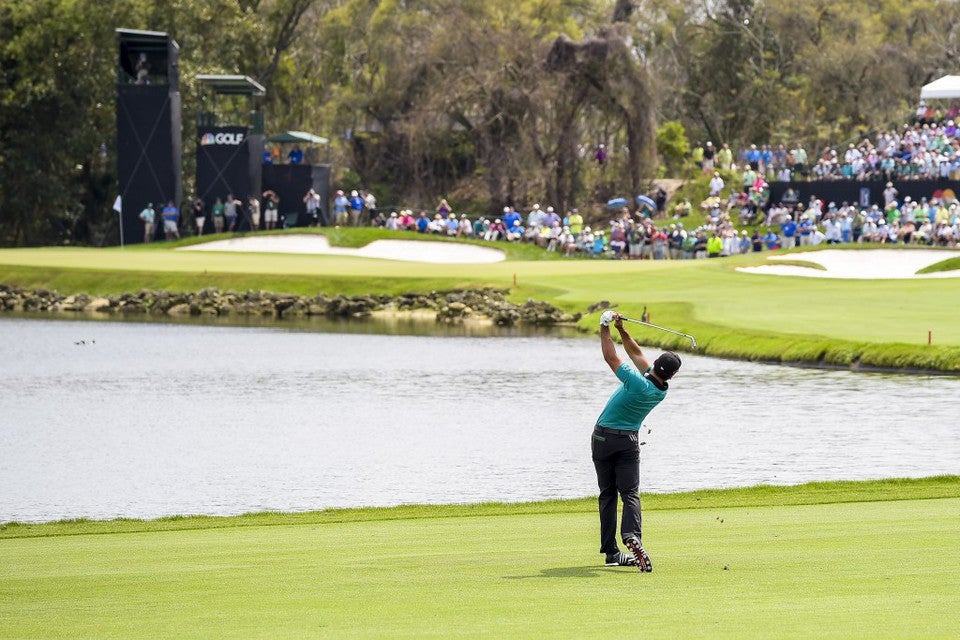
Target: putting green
x: 746, y: 563
x: 882, y: 323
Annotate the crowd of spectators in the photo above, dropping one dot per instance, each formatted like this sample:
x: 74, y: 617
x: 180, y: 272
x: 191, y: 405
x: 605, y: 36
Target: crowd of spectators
x: 627, y: 235
x: 929, y: 222
x: 928, y: 148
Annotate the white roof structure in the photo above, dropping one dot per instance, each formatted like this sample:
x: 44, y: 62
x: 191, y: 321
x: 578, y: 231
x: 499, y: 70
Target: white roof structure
x: 941, y: 88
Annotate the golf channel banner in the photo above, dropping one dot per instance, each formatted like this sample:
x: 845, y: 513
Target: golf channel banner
x: 223, y: 165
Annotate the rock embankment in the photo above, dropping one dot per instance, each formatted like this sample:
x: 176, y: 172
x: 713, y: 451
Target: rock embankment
x: 449, y: 306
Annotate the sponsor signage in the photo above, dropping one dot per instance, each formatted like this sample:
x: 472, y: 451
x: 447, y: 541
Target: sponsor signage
x: 222, y: 138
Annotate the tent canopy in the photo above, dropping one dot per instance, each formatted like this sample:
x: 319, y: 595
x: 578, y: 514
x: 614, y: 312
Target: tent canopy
x: 298, y: 136
x: 941, y: 88
x: 232, y: 85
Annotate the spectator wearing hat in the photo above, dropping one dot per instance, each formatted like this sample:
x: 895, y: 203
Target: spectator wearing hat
x: 716, y: 184
x: 709, y: 157
x: 511, y: 222
x: 356, y: 208
x: 340, y: 206
x: 465, y: 229
x: 789, y: 230
x: 452, y: 224
x: 149, y: 217
x: 392, y: 222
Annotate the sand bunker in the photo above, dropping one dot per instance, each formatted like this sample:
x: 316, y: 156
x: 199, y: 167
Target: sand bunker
x: 871, y: 264
x: 405, y: 250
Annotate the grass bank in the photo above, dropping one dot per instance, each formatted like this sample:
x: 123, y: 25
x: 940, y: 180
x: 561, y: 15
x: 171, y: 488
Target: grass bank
x: 831, y: 560
x: 872, y: 324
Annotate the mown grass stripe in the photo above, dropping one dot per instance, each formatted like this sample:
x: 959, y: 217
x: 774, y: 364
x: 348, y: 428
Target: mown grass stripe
x: 946, y: 486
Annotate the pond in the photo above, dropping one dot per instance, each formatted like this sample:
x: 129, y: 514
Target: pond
x: 141, y: 420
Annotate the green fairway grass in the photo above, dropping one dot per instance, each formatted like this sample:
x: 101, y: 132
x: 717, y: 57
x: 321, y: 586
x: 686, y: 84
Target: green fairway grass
x: 872, y: 323
x: 845, y: 560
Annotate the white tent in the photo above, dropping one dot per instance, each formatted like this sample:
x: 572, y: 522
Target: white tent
x: 941, y: 88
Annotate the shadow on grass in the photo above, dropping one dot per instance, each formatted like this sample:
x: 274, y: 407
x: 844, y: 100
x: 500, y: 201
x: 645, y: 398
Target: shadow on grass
x: 591, y: 571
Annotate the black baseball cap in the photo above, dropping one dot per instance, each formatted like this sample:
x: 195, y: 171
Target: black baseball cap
x: 666, y: 365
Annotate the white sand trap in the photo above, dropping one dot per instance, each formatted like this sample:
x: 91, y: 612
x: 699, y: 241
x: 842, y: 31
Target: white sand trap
x: 405, y: 250
x: 871, y: 264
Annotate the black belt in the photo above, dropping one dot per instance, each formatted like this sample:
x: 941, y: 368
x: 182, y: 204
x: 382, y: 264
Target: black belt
x: 617, y: 432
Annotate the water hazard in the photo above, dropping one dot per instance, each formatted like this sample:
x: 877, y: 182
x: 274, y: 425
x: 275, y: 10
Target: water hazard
x: 113, y: 419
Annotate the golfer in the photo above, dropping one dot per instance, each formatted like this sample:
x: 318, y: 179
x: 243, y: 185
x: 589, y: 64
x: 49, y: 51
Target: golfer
x: 615, y: 441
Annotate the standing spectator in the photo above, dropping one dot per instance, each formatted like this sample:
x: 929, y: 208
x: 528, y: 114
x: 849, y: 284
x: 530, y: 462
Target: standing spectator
x: 217, y: 211
x: 709, y: 156
x: 799, y: 162
x: 725, y: 157
x: 171, y: 214
x: 230, y: 211
x: 312, y: 202
x: 714, y: 246
x: 716, y: 184
x: 296, y: 155
x: 600, y: 155
x: 271, y: 208
x: 149, y: 217
x: 744, y: 242
x: 253, y: 208
x: 806, y: 230
x: 771, y: 240
x: 340, y: 204
x: 356, y: 207
x: 370, y: 204
x: 444, y: 208
x: 267, y: 156
x: 890, y: 194
x: 753, y: 157
x: 199, y: 214
x: 789, y: 230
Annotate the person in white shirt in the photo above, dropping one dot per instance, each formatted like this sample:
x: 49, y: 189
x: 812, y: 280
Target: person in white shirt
x: 716, y: 184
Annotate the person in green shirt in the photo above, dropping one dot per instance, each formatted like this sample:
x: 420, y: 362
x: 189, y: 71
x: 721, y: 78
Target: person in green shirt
x: 714, y: 246
x: 217, y: 211
x: 575, y: 223
x: 725, y: 157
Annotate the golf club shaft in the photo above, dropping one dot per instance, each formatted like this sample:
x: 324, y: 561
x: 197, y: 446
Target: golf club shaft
x: 693, y: 341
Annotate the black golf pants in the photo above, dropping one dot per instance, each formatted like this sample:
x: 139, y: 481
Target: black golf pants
x: 616, y: 457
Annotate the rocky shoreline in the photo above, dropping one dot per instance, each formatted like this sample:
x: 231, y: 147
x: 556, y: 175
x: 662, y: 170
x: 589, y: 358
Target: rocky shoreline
x: 448, y: 306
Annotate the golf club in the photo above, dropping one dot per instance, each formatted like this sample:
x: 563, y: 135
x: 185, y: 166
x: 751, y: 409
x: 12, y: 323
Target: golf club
x: 693, y: 341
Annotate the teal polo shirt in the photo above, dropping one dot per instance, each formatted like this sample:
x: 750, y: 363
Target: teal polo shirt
x: 631, y: 402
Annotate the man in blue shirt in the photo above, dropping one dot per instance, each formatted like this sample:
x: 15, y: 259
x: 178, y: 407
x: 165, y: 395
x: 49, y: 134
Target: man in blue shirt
x: 789, y: 230
x: 512, y: 220
x: 615, y: 443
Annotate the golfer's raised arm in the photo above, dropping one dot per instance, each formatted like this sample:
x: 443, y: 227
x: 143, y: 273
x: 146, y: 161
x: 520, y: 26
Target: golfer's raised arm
x: 630, y: 345
x: 607, y: 346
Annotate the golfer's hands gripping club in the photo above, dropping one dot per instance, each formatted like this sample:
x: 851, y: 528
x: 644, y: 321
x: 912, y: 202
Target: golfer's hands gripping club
x: 609, y: 316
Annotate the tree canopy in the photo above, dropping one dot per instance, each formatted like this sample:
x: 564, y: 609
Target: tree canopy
x: 487, y: 102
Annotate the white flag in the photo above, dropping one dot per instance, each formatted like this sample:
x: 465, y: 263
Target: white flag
x: 117, y: 206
